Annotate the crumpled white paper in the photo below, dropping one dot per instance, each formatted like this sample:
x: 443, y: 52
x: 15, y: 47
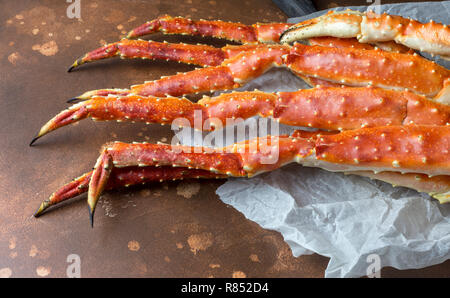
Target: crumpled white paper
x: 346, y: 218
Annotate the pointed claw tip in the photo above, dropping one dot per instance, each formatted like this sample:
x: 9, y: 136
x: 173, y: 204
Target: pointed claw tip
x: 39, y: 210
x: 91, y: 216
x: 73, y: 99
x: 34, y: 140
x: 71, y: 68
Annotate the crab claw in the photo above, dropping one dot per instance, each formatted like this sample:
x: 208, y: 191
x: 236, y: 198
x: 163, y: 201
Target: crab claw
x: 124, y: 177
x: 70, y: 190
x: 341, y: 24
x: 99, y: 179
x: 68, y: 116
x: 125, y: 108
x: 109, y: 50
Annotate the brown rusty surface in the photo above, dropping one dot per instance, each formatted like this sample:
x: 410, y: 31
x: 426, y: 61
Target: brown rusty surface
x: 178, y: 229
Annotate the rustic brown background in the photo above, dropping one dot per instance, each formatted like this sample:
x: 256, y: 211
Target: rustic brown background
x: 175, y: 229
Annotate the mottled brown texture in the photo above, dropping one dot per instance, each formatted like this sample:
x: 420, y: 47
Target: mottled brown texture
x: 155, y: 217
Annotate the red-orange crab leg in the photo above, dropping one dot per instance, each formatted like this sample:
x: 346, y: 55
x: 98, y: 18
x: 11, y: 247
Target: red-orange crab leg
x: 331, y: 108
x: 124, y: 177
x: 246, y: 34
x: 267, y: 33
x: 372, y: 28
x: 437, y: 186
x: 239, y: 160
x: 201, y: 55
x: 411, y: 149
x: 346, y: 66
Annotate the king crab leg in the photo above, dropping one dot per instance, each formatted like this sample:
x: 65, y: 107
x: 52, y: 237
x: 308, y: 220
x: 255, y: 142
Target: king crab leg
x: 323, y: 108
x: 413, y: 149
x: 265, y: 33
x: 370, y: 27
x: 246, y: 34
x: 201, y: 55
x: 347, y: 66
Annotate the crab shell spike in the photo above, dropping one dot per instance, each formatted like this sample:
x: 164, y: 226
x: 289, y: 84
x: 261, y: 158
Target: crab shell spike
x: 120, y: 177
x: 329, y: 108
x: 370, y: 27
x: 226, y: 30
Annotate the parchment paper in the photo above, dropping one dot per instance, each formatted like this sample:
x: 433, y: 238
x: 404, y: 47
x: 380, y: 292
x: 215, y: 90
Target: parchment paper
x: 346, y: 218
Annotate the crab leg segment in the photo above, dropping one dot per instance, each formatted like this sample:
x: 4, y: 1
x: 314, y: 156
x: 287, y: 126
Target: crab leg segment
x: 124, y: 177
x: 231, y: 31
x: 372, y: 28
x: 324, y: 108
x: 369, y: 67
x: 406, y: 149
